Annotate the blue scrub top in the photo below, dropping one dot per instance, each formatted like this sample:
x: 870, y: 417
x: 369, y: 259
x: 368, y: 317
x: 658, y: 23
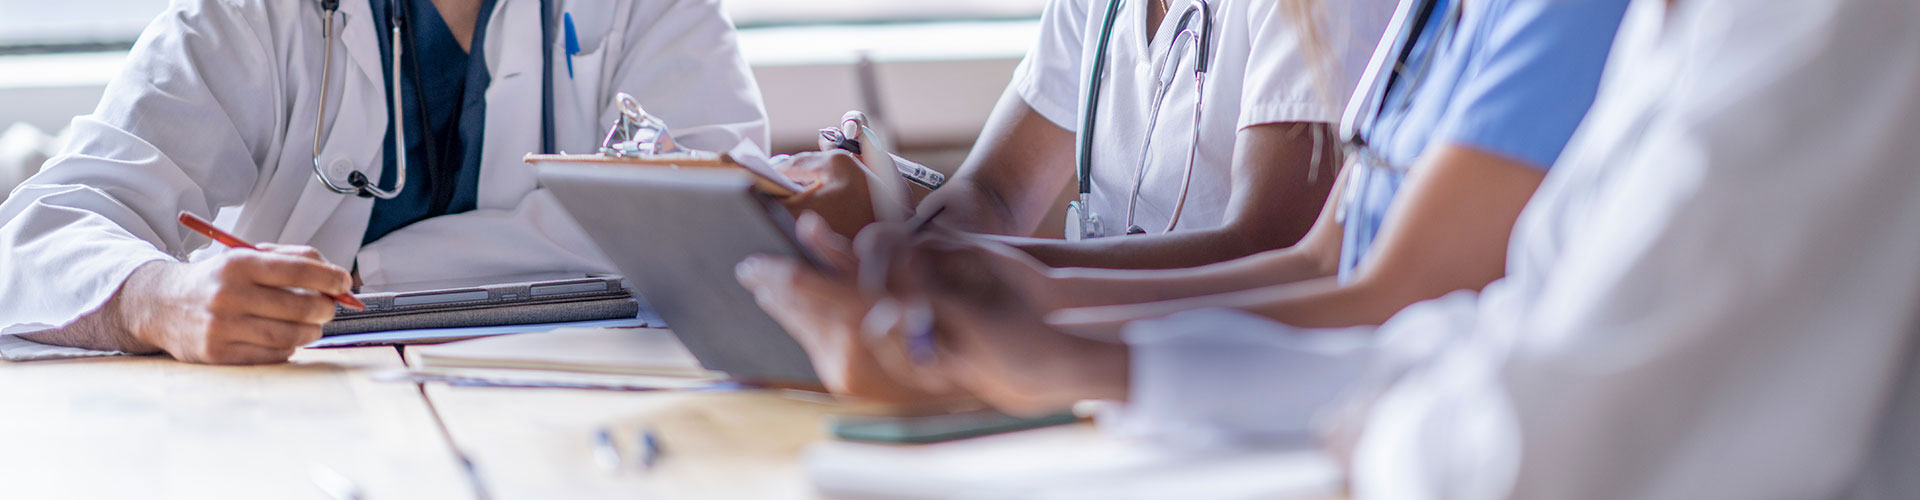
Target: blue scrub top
x: 1514, y: 79
x: 456, y: 112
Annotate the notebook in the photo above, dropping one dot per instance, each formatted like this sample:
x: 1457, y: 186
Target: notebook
x: 621, y: 351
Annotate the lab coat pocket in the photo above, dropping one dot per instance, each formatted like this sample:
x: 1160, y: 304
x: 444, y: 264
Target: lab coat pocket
x: 578, y: 100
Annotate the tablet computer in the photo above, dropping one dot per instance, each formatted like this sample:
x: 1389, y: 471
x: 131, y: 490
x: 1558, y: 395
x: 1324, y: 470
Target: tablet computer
x: 488, y: 301
x: 676, y: 235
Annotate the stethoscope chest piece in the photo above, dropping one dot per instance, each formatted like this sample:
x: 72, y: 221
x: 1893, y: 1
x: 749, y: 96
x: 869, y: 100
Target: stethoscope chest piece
x: 1082, y: 223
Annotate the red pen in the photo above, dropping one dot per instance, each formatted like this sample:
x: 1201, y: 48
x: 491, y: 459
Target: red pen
x: 201, y: 226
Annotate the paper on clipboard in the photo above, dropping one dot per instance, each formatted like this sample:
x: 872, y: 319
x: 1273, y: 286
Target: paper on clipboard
x: 748, y: 155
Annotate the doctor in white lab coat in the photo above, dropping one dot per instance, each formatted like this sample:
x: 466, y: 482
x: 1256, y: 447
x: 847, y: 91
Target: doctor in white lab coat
x: 217, y: 108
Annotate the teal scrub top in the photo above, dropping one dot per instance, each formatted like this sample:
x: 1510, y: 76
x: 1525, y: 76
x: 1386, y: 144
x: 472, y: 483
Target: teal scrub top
x: 444, y: 100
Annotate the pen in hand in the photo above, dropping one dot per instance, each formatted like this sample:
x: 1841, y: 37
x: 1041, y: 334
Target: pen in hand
x: 205, y: 228
x: 919, y: 317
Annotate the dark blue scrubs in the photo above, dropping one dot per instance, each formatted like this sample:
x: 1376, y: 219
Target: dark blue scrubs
x: 443, y: 98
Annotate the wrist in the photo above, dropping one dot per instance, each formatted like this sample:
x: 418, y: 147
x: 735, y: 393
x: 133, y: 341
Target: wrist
x: 131, y: 311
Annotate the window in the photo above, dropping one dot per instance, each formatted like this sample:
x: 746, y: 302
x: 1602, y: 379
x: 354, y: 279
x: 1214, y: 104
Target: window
x: 39, y: 26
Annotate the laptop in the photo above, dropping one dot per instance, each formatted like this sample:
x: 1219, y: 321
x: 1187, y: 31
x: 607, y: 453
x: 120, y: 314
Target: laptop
x: 676, y: 234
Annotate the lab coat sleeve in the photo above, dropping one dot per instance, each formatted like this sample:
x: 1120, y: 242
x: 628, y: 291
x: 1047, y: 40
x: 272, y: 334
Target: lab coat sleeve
x: 1733, y: 309
x: 184, y: 127
x: 1222, y: 378
x: 684, y: 56
x: 1049, y: 78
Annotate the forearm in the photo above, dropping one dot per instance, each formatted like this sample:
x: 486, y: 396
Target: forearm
x: 107, y: 329
x: 1180, y: 249
x: 1084, y: 287
x: 1329, y: 307
x: 1274, y: 204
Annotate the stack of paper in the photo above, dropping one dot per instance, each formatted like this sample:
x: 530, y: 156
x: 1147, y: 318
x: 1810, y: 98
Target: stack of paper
x: 1067, y: 462
x: 601, y: 358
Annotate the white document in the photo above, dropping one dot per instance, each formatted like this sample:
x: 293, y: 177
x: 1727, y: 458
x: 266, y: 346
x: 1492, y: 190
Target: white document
x: 1067, y: 462
x: 622, y: 351
x: 750, y: 156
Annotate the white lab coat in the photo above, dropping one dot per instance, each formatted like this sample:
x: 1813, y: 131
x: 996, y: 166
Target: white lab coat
x: 216, y: 108
x: 1713, y: 295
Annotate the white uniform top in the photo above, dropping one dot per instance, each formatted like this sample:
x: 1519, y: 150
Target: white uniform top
x: 1260, y: 74
x: 216, y: 108
x: 1713, y: 295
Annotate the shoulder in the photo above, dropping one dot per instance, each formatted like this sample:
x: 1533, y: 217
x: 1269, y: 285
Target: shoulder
x: 1556, y: 22
x: 1074, y: 15
x: 221, y: 20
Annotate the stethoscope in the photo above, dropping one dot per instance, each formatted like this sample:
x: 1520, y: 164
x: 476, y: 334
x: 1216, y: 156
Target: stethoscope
x: 1081, y: 221
x: 357, y: 183
x: 1391, y: 61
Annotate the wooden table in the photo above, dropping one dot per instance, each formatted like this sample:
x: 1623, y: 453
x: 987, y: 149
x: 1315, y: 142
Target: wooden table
x: 151, y: 427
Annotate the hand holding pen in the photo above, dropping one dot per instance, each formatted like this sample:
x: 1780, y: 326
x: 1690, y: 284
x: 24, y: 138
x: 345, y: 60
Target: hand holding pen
x: 255, y: 305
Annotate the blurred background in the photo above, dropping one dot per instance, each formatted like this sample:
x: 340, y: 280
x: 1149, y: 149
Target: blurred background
x: 932, y: 69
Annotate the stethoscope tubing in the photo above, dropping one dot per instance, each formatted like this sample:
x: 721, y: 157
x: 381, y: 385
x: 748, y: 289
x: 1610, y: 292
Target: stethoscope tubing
x: 1199, y: 47
x: 1153, y: 123
x: 357, y: 183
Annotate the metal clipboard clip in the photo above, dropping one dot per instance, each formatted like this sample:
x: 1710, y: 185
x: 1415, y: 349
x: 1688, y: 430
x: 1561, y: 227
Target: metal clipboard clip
x: 636, y: 133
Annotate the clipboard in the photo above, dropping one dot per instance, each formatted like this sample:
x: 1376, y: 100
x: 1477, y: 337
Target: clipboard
x: 675, y: 228
x: 744, y: 157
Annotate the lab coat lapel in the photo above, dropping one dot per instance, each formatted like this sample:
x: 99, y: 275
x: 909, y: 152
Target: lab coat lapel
x: 513, y: 102
x: 360, y: 114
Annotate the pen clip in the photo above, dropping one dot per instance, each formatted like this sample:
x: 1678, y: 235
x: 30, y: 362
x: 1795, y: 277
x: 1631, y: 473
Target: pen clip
x: 573, y: 40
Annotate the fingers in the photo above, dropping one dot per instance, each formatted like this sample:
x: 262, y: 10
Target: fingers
x: 833, y: 250
x: 286, y: 271
x: 278, y: 304
x: 779, y: 284
x: 294, y: 250
x: 857, y: 117
x: 245, y: 340
x: 903, y: 341
x: 877, y: 247
x: 804, y: 168
x: 824, y: 167
x: 278, y: 335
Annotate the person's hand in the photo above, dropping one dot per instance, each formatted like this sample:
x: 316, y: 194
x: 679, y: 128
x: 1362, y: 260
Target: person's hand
x: 239, y: 307
x: 840, y: 191
x: 988, y: 335
x: 824, y: 312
